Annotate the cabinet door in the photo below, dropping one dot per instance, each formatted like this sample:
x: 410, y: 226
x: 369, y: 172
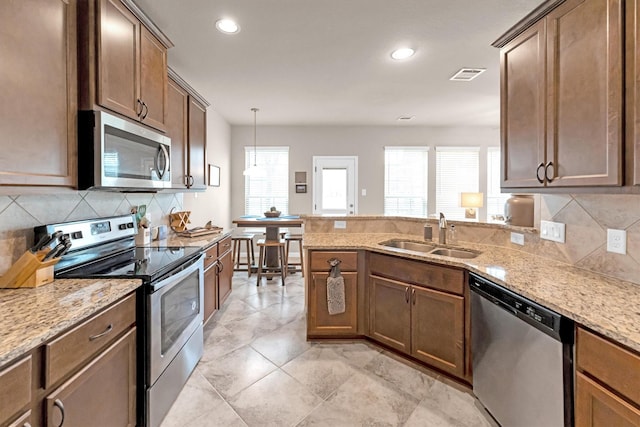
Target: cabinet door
x: 153, y: 80
x: 210, y: 292
x: 225, y: 273
x: 103, y: 393
x: 320, y: 322
x: 25, y: 420
x: 177, y: 125
x: 522, y: 91
x: 38, y: 106
x: 390, y: 313
x: 598, y: 407
x: 632, y: 60
x: 197, y: 145
x: 437, y: 329
x: 118, y: 59
x: 585, y: 103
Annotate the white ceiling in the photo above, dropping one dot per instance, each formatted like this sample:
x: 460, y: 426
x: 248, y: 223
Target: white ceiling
x: 326, y: 62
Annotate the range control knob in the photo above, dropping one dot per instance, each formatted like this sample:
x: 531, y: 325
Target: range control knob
x: 76, y: 235
x: 122, y: 227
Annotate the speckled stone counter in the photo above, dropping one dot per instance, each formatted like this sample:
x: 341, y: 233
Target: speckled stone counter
x: 606, y: 305
x: 203, y: 241
x: 30, y: 317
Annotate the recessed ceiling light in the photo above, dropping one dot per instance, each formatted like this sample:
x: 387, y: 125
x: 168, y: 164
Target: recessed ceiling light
x: 402, y: 53
x: 227, y: 26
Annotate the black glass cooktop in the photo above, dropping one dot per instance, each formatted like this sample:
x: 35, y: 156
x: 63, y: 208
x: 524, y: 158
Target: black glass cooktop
x: 146, y: 263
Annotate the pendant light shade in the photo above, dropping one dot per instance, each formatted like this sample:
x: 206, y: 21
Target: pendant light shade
x: 254, y: 169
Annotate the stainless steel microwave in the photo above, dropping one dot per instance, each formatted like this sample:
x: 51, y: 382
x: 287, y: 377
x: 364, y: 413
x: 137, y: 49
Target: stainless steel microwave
x: 116, y: 154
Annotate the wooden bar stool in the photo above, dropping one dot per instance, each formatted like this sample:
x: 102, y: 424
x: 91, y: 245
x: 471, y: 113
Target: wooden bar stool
x: 237, y: 246
x: 288, y: 238
x: 281, y: 268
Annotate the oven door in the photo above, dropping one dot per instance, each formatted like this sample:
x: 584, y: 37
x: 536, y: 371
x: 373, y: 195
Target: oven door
x: 175, y: 312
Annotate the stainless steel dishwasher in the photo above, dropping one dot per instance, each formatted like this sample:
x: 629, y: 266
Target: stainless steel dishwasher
x: 522, y: 355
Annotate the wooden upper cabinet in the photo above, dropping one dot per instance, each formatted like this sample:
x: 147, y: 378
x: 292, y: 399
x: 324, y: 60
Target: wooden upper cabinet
x: 38, y: 106
x: 153, y: 80
x: 118, y: 61
x: 522, y: 92
x: 130, y: 63
x: 632, y: 61
x: 197, y: 176
x: 562, y: 98
x: 177, y: 130
x: 585, y: 83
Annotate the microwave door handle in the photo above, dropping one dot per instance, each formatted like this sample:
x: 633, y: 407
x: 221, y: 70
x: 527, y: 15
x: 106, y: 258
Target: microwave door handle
x: 162, y: 158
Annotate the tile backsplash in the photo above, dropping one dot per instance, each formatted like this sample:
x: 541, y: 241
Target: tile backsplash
x: 19, y: 214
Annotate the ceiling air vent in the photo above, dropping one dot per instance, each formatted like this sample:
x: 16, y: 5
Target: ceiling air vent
x: 467, y: 74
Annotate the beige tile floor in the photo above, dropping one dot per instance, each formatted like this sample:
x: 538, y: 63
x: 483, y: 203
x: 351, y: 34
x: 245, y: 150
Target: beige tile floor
x: 259, y: 370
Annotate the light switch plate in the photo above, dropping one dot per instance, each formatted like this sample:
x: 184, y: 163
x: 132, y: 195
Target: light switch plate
x: 517, y: 238
x: 552, y: 231
x: 617, y: 241
x: 339, y: 224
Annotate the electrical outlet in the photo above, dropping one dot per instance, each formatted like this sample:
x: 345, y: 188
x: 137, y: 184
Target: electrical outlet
x: 617, y: 241
x: 517, y: 238
x: 364, y: 191
x: 339, y: 224
x: 552, y: 231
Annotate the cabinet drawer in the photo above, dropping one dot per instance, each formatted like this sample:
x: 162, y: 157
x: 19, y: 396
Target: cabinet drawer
x: 15, y: 388
x: 614, y: 366
x: 224, y: 245
x: 73, y: 348
x: 210, y: 256
x: 23, y: 421
x: 319, y: 260
x: 417, y: 273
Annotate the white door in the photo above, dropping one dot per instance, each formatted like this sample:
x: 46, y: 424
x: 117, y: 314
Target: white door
x: 334, y: 185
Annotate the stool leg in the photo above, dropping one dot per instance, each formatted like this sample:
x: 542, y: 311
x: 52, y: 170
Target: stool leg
x: 260, y: 260
x: 248, y: 262
x: 233, y: 254
x: 286, y: 250
x: 283, y: 266
x: 253, y: 258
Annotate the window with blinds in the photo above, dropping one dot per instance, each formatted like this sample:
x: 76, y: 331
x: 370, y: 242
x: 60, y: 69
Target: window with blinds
x: 495, y: 199
x: 457, y: 171
x: 270, y: 186
x: 405, y: 181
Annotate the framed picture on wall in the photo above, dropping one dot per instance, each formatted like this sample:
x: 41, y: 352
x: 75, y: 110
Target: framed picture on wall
x: 301, y: 188
x: 214, y: 176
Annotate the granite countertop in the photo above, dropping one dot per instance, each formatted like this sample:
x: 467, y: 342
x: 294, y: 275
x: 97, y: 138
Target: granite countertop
x: 32, y: 316
x: 606, y: 305
x: 203, y: 241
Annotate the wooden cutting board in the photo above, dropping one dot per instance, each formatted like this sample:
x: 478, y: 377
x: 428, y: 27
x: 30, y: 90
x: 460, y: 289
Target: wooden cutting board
x: 200, y: 232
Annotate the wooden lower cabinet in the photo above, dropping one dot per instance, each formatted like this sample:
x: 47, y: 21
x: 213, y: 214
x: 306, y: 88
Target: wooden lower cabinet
x: 224, y: 276
x: 25, y: 420
x: 390, y: 313
x: 103, y: 393
x: 210, y: 296
x: 319, y: 321
x: 424, y: 323
x: 598, y: 407
x: 15, y: 389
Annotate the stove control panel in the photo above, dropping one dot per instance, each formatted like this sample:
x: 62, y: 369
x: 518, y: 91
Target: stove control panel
x: 91, y: 232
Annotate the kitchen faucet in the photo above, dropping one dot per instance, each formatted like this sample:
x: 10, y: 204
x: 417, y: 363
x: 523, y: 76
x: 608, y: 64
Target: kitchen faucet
x: 442, y: 232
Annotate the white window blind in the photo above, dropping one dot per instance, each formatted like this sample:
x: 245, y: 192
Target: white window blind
x: 457, y: 171
x: 405, y: 181
x: 495, y: 199
x: 269, y: 187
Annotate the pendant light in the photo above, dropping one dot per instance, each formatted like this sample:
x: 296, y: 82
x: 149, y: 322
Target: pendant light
x: 253, y: 170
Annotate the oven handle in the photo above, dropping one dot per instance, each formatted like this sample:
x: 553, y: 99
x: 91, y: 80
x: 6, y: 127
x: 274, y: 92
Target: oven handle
x: 179, y: 273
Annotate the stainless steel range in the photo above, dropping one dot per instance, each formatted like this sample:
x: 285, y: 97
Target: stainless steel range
x: 170, y: 305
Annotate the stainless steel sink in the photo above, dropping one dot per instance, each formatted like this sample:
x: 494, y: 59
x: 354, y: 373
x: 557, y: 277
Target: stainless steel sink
x: 454, y: 253
x: 431, y: 249
x: 409, y: 245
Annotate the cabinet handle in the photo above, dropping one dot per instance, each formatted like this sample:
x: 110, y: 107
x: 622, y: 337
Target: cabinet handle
x: 540, y: 166
x: 106, y: 331
x: 139, y: 113
x: 220, y: 267
x: 413, y: 295
x: 58, y: 404
x: 406, y: 295
x: 546, y: 170
x: 145, y: 109
x: 209, y: 257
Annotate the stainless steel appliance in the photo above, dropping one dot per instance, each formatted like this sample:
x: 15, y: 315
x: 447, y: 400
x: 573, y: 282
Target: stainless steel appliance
x: 522, y: 358
x: 170, y: 301
x: 116, y: 154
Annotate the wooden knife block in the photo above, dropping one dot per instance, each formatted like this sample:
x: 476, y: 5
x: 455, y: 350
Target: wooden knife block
x: 29, y: 271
